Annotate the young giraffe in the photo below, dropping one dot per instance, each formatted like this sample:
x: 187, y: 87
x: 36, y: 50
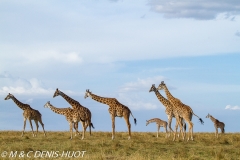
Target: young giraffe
x: 169, y: 111
x: 217, y: 124
x: 68, y: 113
x: 160, y: 123
x: 116, y: 109
x: 28, y: 114
x: 81, y: 113
x: 183, y: 110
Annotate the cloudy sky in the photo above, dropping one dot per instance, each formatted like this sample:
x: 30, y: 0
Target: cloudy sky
x: 119, y: 48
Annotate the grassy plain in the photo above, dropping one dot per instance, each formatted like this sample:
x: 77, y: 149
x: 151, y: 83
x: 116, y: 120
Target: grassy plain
x: 142, y: 146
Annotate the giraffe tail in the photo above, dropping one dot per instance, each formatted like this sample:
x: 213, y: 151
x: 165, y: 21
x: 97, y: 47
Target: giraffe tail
x: 91, y: 125
x: 135, y: 120
x: 200, y: 119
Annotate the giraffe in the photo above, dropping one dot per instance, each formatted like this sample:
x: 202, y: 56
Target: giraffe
x: 67, y: 112
x: 116, y: 109
x: 28, y: 114
x: 169, y: 111
x: 160, y: 123
x: 80, y: 113
x: 217, y: 124
x: 183, y: 110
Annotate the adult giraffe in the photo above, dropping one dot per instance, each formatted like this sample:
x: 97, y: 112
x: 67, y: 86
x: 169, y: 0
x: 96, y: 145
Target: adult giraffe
x: 169, y: 111
x: 69, y: 115
x: 28, y: 114
x: 81, y: 113
x: 116, y: 109
x: 183, y: 110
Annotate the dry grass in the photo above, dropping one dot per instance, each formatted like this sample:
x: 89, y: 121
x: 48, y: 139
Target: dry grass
x: 142, y: 145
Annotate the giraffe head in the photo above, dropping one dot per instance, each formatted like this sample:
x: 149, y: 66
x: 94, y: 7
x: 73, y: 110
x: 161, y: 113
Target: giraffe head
x: 147, y: 122
x: 208, y: 115
x: 9, y: 96
x: 47, y: 105
x: 57, y: 93
x: 161, y: 86
x: 153, y: 88
x: 87, y: 94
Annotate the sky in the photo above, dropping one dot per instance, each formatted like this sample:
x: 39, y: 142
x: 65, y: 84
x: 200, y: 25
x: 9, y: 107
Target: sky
x: 119, y: 48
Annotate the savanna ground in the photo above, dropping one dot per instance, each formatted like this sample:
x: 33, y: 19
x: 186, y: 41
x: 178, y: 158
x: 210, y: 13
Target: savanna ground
x: 143, y: 145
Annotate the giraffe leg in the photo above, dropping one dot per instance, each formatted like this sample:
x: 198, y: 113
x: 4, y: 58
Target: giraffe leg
x: 184, y: 127
x: 174, y: 136
x: 71, y: 129
x: 24, y: 125
x: 216, y: 132
x: 181, y: 122
x: 75, y: 125
x: 166, y: 131
x: 89, y: 125
x: 84, y: 129
x: 36, y: 122
x: 113, y: 127
x: 169, y: 124
x: 158, y: 129
x: 31, y: 127
x: 176, y: 126
x: 40, y: 121
x: 190, y: 130
x: 126, y: 117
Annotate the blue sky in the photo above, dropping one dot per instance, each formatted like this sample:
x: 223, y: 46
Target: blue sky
x: 119, y: 49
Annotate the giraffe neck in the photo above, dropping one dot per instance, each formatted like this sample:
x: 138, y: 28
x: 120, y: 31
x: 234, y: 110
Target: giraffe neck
x: 212, y: 119
x: 61, y: 111
x: 168, y: 94
x: 151, y: 120
x: 71, y: 101
x: 101, y: 99
x: 20, y: 104
x: 163, y: 100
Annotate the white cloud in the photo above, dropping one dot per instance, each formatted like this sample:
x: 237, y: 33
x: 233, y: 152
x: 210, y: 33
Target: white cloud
x: 141, y: 84
x: 135, y: 102
x: 204, y: 9
x: 16, y: 85
x: 141, y: 106
x: 232, y: 107
x: 67, y: 34
x: 33, y: 87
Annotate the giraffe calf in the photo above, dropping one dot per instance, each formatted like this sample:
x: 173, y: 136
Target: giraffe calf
x: 160, y: 123
x: 217, y: 124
